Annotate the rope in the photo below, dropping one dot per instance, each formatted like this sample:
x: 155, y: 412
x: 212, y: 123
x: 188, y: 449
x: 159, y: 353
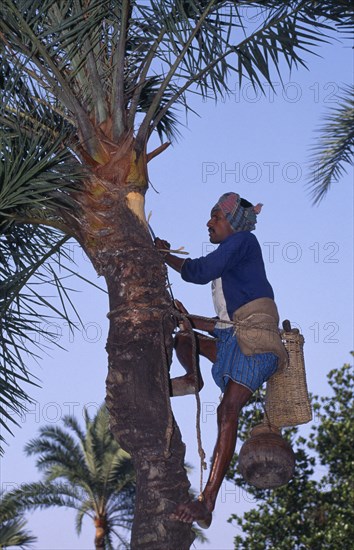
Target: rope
x: 120, y: 311
x: 237, y: 324
x: 165, y: 369
x: 260, y: 400
x: 201, y: 452
x: 169, y: 429
x: 186, y: 318
x: 123, y: 314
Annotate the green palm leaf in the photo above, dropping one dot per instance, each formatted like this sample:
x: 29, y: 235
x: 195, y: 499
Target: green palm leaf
x: 335, y: 147
x: 36, y: 173
x: 30, y: 256
x: 65, y: 456
x: 12, y: 533
x: 12, y: 525
x: 78, y: 76
x: 92, y: 59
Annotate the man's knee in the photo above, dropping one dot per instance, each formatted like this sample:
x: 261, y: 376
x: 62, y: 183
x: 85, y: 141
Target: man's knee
x: 207, y: 348
x: 181, y: 341
x: 235, y: 398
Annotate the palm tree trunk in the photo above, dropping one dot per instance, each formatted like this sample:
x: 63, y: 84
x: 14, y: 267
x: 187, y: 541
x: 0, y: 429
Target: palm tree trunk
x: 100, y: 532
x: 137, y: 382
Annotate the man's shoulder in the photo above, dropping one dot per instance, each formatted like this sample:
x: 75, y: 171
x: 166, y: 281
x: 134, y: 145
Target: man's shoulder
x: 240, y: 237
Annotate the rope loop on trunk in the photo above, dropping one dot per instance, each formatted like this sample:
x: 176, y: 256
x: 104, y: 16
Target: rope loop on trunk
x: 180, y: 317
x: 189, y: 329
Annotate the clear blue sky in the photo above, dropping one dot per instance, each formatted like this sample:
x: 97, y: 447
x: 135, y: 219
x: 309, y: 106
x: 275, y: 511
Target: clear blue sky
x: 258, y: 147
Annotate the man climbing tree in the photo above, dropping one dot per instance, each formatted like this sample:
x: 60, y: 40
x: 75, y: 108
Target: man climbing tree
x: 85, y: 86
x: 243, y: 300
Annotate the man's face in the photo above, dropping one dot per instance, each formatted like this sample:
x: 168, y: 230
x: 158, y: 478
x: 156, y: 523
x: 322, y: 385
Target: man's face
x: 218, y: 227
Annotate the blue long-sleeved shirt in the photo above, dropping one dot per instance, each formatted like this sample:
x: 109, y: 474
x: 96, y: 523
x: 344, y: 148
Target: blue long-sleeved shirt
x: 239, y: 263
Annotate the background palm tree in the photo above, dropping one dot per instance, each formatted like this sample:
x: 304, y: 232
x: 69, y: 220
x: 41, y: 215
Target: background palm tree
x: 12, y: 525
x: 335, y: 147
x: 86, y: 86
x: 85, y: 470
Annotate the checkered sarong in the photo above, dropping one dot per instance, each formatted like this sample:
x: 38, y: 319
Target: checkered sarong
x: 250, y: 371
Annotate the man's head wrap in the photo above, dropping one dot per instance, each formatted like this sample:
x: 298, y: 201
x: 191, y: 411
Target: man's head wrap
x: 241, y: 214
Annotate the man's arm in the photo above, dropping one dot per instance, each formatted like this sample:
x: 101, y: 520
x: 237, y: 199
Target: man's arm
x: 174, y: 262
x: 177, y: 263
x: 201, y: 324
x: 171, y: 260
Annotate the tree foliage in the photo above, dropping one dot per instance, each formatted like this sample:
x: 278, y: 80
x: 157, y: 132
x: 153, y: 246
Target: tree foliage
x: 85, y: 84
x: 334, y: 151
x: 35, y: 259
x: 85, y: 470
x: 12, y: 526
x: 79, y: 79
x: 313, y: 511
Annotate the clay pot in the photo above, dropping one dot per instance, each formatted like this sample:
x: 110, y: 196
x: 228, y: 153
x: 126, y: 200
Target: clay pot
x: 266, y: 460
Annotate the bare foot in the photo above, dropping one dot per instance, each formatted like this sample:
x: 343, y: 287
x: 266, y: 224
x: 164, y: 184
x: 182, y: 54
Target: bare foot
x: 185, y: 385
x: 193, y: 511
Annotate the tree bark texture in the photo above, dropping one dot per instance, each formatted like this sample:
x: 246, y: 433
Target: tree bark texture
x: 100, y: 532
x: 139, y: 350
x: 138, y: 392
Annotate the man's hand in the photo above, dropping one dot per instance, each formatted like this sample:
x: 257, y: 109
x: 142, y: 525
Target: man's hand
x: 162, y: 246
x: 183, y: 325
x: 180, y: 307
x: 201, y: 324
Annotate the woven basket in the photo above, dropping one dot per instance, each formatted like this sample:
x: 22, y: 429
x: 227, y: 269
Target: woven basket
x: 287, y: 401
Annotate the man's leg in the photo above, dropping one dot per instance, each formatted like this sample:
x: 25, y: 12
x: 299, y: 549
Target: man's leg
x: 235, y: 398
x: 205, y: 346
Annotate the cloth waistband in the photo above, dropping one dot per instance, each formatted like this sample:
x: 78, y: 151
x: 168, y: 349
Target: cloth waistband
x: 266, y: 306
x: 256, y: 329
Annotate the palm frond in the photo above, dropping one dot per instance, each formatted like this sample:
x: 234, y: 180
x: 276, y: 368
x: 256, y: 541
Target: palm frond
x: 92, y: 61
x: 85, y: 509
x: 33, y: 261
x: 12, y: 523
x: 123, y: 542
x: 202, y: 45
x: 37, y: 175
x: 73, y: 424
x: 59, y: 455
x: 335, y: 147
x: 121, y: 511
x: 64, y: 455
x: 22, y: 326
x: 38, y: 495
x: 13, y: 533
x: 45, y: 37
